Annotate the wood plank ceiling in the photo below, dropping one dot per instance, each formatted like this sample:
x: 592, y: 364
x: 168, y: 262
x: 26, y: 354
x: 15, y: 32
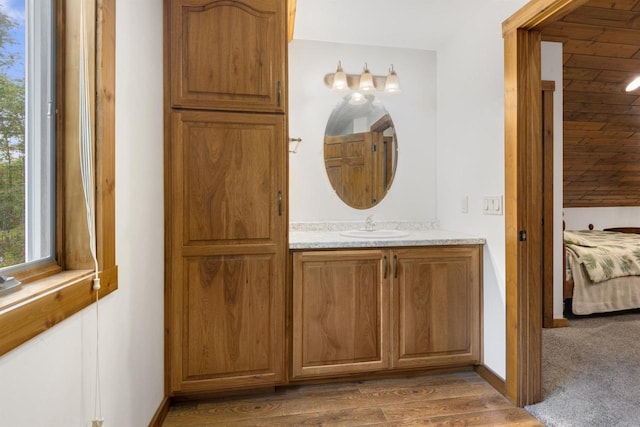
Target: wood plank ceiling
x: 601, y: 49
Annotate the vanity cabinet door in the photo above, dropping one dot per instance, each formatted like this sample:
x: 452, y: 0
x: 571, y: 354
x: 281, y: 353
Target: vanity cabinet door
x: 228, y: 55
x: 436, y: 306
x: 340, y: 312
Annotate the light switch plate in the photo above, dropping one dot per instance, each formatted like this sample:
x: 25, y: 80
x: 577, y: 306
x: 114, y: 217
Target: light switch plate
x: 492, y: 205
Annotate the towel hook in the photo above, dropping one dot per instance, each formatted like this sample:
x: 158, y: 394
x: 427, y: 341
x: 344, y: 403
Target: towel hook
x: 297, y: 141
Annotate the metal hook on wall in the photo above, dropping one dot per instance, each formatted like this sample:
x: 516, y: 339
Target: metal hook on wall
x: 297, y: 141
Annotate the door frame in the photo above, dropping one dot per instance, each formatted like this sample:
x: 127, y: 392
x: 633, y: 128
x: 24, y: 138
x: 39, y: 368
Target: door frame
x: 523, y: 194
x: 548, y: 88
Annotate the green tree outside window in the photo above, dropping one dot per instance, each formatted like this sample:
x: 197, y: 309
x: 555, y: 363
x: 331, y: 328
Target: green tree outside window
x: 12, y: 152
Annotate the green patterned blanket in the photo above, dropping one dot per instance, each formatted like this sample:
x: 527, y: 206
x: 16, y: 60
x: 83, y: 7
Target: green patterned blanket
x: 605, y: 254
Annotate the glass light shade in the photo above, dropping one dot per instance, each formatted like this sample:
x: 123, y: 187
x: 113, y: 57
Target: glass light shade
x: 635, y: 84
x: 357, y: 99
x: 340, y: 79
x: 392, y: 84
x: 366, y: 80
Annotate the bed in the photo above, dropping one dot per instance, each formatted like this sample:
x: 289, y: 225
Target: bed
x: 602, y: 270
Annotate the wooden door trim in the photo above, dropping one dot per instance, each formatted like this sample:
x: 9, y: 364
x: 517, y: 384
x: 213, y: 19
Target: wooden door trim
x: 538, y: 13
x: 522, y: 132
x: 548, y: 87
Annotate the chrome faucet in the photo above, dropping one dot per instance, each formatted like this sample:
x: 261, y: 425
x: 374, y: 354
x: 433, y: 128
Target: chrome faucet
x: 369, y: 225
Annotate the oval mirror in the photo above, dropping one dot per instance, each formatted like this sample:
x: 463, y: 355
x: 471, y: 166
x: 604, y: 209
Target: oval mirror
x: 360, y: 150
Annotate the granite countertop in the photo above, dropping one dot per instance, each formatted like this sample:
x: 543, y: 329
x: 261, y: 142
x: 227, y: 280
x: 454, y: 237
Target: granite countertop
x: 320, y: 239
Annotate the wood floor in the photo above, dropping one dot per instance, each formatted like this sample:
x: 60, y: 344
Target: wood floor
x: 460, y: 399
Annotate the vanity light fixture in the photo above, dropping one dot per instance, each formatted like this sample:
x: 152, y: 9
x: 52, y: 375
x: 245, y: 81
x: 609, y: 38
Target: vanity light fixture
x: 365, y: 82
x: 635, y: 84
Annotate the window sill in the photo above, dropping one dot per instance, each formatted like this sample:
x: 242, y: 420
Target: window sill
x: 44, y: 302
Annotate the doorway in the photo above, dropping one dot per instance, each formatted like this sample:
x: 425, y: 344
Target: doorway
x: 524, y: 194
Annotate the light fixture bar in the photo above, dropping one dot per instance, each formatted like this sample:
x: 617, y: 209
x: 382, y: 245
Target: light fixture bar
x: 365, y: 82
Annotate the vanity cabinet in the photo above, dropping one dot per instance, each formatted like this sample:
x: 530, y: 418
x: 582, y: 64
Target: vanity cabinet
x: 225, y: 194
x: 374, y: 310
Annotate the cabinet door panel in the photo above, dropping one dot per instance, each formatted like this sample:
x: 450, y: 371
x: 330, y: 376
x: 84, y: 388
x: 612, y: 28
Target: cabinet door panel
x: 350, y: 166
x: 232, y: 320
x: 228, y: 243
x: 340, y: 313
x: 436, y: 307
x: 228, y: 55
x: 230, y: 165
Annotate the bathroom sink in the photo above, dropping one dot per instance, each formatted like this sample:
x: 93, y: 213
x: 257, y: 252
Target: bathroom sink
x: 374, y: 234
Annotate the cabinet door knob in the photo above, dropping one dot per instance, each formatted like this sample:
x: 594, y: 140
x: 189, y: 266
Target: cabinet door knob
x: 279, y: 203
x: 385, y: 266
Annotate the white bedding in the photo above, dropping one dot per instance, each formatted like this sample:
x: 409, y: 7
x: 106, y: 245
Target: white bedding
x: 621, y: 293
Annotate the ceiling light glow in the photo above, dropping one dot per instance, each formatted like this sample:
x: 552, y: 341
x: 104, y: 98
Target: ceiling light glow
x: 635, y: 84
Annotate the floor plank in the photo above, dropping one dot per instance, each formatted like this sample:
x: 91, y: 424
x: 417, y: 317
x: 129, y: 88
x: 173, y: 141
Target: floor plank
x: 453, y: 399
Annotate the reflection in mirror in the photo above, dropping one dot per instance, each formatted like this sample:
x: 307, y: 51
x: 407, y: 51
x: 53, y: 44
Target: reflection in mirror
x: 360, y: 150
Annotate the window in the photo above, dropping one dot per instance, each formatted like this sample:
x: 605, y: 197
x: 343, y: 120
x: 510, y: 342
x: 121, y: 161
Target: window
x: 62, y: 284
x: 27, y: 134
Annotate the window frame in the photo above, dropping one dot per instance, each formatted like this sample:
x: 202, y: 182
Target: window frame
x: 52, y: 292
x: 40, y: 98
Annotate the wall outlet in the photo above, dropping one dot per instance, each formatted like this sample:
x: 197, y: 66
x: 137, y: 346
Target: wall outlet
x: 492, y: 205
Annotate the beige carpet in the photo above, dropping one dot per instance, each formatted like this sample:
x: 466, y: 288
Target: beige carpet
x: 591, y: 373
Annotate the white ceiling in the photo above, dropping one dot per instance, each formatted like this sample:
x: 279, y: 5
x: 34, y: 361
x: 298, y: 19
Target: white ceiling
x: 417, y: 24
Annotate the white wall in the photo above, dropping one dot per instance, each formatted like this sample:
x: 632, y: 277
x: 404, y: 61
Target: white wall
x: 413, y: 193
x: 471, y: 151
x: 49, y: 380
x: 552, y: 70
x: 580, y: 218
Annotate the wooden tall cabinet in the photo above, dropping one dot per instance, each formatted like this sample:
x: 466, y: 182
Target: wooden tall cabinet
x: 225, y: 194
